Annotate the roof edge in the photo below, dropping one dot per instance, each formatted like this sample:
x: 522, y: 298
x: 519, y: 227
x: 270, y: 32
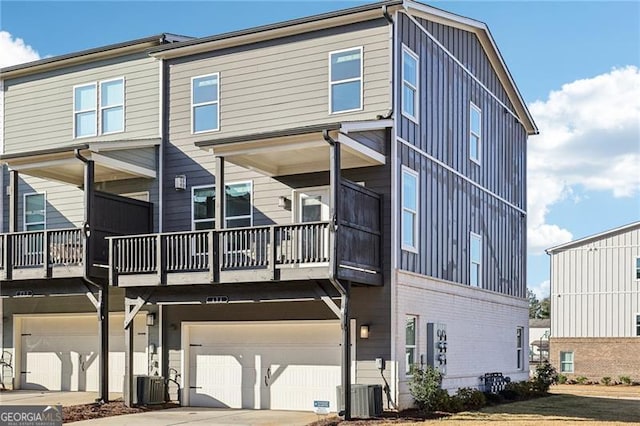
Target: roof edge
x: 295, y: 131
x: 593, y: 237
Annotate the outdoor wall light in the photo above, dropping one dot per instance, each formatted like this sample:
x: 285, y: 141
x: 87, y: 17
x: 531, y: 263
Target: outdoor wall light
x: 151, y: 319
x: 180, y: 183
x: 283, y: 202
x: 364, y: 331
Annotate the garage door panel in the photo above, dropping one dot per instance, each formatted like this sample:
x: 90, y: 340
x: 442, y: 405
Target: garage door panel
x: 288, y: 372
x: 62, y: 352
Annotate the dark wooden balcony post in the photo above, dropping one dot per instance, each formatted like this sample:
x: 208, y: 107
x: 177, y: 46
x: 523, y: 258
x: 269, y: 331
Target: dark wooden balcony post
x: 220, y: 194
x: 89, y: 173
x: 272, y: 252
x: 113, y: 268
x: 46, y: 254
x: 160, y: 263
x: 13, y: 201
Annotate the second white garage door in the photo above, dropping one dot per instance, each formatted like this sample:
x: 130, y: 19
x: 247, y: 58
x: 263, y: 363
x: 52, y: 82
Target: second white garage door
x: 61, y: 352
x: 267, y: 365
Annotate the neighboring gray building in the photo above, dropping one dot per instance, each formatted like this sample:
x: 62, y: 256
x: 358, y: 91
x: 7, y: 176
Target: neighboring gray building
x: 595, y: 305
x: 336, y: 195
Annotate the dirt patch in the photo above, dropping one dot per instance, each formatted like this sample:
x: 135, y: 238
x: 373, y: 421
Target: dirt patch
x: 76, y: 413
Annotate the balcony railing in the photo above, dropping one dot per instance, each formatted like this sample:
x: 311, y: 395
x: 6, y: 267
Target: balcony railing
x: 230, y: 255
x: 42, y: 254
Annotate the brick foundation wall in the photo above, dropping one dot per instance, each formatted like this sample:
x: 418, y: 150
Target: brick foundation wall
x: 598, y: 357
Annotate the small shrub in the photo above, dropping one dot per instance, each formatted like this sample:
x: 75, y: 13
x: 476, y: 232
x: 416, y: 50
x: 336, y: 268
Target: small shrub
x: 452, y: 404
x: 581, y: 380
x: 545, y: 376
x: 625, y: 380
x: 471, y: 399
x: 493, y: 398
x: 606, y: 380
x: 562, y: 379
x: 516, y: 391
x: 425, y: 388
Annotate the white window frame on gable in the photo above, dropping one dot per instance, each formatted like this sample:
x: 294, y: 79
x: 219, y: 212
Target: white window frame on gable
x: 25, y: 213
x: 342, y: 82
x: 475, y: 135
x: 475, y: 263
x: 111, y: 106
x: 410, y: 212
x: 99, y: 110
x: 83, y: 111
x: 206, y: 104
x: 408, y: 86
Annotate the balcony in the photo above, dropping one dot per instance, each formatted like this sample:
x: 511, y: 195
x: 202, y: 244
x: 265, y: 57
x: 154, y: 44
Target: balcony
x: 264, y: 253
x: 42, y: 254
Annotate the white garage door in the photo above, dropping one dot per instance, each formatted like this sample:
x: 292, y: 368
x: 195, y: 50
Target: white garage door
x: 278, y: 366
x: 61, y: 352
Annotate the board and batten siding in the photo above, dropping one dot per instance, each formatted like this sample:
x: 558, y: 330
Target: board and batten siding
x: 450, y: 206
x: 594, y: 290
x: 280, y: 84
x: 39, y: 108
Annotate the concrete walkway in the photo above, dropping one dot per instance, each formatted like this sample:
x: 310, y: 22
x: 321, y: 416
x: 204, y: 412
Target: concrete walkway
x: 207, y: 416
x: 31, y: 397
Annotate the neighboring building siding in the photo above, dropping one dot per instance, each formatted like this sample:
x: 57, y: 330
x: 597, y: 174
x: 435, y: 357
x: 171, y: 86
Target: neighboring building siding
x: 481, y: 330
x: 39, y: 108
x: 450, y: 206
x: 594, y: 290
x: 599, y: 357
x: 282, y: 83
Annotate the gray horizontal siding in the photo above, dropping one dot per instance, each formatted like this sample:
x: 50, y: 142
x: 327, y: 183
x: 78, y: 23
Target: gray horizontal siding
x: 282, y: 83
x: 39, y: 108
x: 594, y: 290
x: 443, y: 128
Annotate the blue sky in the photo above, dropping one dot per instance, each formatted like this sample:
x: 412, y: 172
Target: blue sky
x: 575, y: 63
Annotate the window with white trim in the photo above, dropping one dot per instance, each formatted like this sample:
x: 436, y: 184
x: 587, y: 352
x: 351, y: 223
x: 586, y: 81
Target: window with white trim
x: 409, y: 219
x: 238, y: 206
x: 637, y: 324
x: 519, y: 348
x: 566, y: 362
x: 410, y: 75
x: 638, y: 268
x: 98, y: 112
x: 205, y: 103
x: 112, y: 106
x: 85, y: 117
x: 34, y: 212
x: 411, y: 334
x: 345, y: 80
x: 203, y: 201
x: 475, y: 260
x: 475, y: 132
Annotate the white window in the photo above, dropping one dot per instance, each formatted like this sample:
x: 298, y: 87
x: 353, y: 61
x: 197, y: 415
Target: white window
x: 409, y: 219
x: 637, y: 324
x: 238, y: 209
x: 475, y: 257
x: 566, y: 362
x: 84, y: 111
x: 345, y: 80
x: 475, y: 132
x: 410, y: 342
x: 203, y: 207
x: 34, y: 212
x: 205, y: 103
x: 519, y: 348
x: 410, y: 75
x: 112, y: 106
x: 638, y: 268
x: 111, y: 111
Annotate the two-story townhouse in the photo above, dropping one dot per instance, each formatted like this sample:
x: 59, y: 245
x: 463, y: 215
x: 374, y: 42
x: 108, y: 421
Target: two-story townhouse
x: 595, y: 305
x: 344, y: 200
x: 80, y: 151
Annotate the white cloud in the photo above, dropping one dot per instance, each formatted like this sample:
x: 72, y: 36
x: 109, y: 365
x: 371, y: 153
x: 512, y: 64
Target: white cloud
x: 589, y: 140
x: 542, y: 289
x: 15, y: 50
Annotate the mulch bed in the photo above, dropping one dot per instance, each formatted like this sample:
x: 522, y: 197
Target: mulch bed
x: 406, y: 416
x: 76, y: 413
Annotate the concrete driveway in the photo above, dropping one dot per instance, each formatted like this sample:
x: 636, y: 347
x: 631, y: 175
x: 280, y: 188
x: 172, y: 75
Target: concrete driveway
x: 174, y: 416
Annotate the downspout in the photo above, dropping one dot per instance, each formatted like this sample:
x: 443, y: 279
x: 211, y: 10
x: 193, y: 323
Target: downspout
x: 387, y: 16
x: 102, y: 304
x: 335, y: 179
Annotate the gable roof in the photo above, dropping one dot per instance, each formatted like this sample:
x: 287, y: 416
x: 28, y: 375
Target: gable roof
x: 88, y: 55
x: 358, y: 14
x: 593, y: 238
